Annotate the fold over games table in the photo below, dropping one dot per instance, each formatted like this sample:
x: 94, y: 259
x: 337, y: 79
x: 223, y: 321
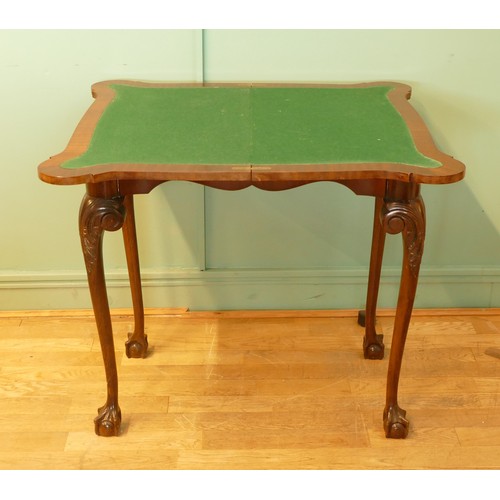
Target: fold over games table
x: 137, y: 135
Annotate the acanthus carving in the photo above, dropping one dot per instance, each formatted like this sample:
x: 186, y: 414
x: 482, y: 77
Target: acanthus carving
x: 98, y: 215
x: 407, y: 218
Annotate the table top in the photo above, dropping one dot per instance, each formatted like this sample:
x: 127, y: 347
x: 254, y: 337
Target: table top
x: 254, y: 132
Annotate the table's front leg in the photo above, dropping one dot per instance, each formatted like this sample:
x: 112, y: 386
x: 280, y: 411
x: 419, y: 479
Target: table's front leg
x: 137, y: 343
x: 408, y: 218
x: 96, y: 216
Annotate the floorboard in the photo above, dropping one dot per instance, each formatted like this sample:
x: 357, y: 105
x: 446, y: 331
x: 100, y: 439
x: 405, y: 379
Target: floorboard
x: 249, y: 391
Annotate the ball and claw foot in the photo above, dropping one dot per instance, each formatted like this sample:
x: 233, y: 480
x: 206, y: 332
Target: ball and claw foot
x: 374, y: 350
x: 395, y: 424
x: 136, y: 347
x: 108, y: 421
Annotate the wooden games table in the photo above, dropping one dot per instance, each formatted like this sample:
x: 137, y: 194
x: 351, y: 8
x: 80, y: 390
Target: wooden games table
x: 137, y: 135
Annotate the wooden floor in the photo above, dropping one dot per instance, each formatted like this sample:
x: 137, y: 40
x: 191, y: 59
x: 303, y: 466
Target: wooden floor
x: 249, y: 390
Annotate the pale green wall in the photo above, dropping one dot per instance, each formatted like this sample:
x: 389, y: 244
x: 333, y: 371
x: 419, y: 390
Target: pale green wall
x: 202, y: 248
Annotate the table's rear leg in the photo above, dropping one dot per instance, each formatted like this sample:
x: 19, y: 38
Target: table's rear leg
x: 97, y: 215
x: 408, y: 218
x: 137, y: 343
x: 373, y: 345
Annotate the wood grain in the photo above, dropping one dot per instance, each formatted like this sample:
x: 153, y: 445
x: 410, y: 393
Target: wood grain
x: 244, y: 390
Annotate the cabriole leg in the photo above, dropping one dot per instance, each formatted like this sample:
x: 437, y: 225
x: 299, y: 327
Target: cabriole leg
x: 373, y: 345
x: 137, y: 343
x: 408, y: 218
x: 96, y: 216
